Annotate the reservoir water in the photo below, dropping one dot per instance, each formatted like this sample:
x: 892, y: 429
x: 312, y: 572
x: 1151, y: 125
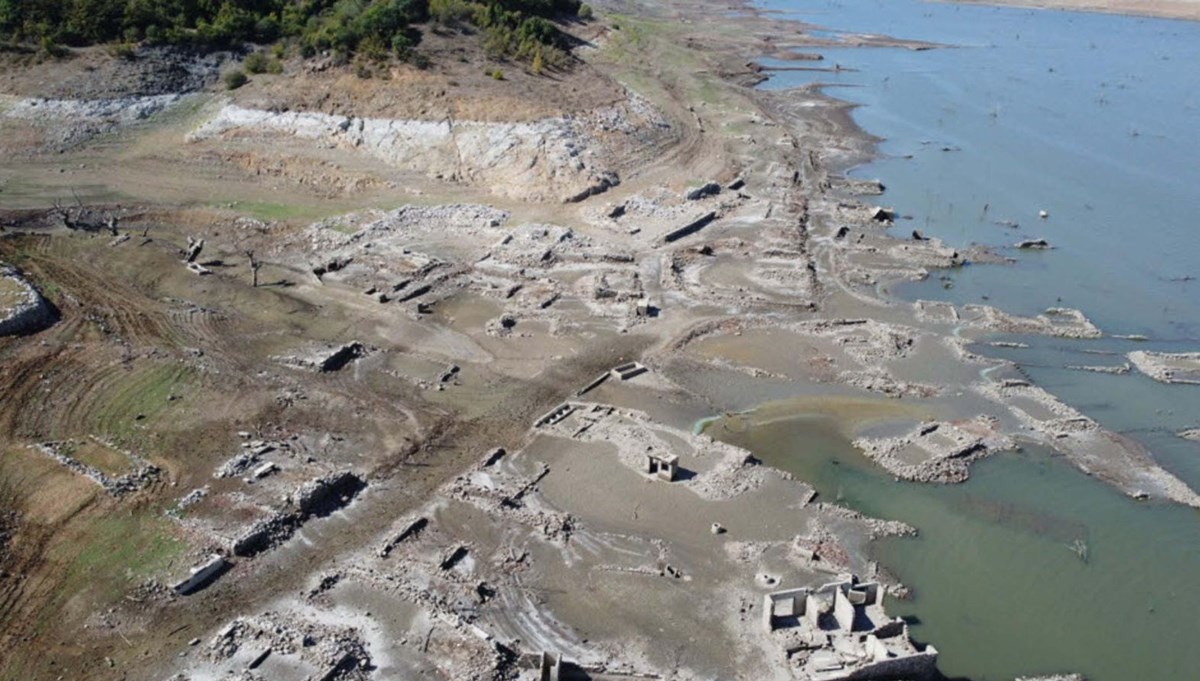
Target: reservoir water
x: 1092, y: 118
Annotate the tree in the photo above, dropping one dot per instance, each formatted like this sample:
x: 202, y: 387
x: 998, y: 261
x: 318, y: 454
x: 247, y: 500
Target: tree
x: 255, y: 265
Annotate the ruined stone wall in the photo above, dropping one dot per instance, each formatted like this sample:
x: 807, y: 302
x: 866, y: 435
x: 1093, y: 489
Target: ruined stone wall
x: 843, y: 611
x: 919, y: 667
x: 29, y: 315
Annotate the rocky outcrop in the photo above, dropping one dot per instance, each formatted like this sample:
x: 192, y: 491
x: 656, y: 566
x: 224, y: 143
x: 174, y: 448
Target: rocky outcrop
x: 22, y: 309
x: 69, y: 123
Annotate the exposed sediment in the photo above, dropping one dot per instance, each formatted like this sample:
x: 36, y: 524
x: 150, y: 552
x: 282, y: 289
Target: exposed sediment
x: 554, y: 159
x: 1166, y: 367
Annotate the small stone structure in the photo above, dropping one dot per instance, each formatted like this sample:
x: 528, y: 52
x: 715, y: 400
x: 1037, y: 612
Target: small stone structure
x: 142, y: 472
x: 410, y: 531
x: 703, y: 191
x: 318, y: 497
x: 327, y: 359
x: 665, y: 466
x: 629, y: 370
x: 264, y: 470
x: 644, y: 307
x: 559, y: 413
x: 691, y: 227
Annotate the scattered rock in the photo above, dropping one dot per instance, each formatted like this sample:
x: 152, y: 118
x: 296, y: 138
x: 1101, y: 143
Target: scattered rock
x: 1034, y: 244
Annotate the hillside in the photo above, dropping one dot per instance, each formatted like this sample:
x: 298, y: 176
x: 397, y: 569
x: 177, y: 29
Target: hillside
x: 374, y: 29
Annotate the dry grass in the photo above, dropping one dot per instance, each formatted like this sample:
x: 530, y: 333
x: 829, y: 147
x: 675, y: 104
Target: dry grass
x: 107, y: 460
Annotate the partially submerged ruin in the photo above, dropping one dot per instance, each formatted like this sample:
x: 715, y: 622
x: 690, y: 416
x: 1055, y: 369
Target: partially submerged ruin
x: 841, y: 632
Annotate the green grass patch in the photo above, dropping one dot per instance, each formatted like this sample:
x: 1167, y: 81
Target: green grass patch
x: 267, y: 211
x: 141, y: 398
x: 114, y: 555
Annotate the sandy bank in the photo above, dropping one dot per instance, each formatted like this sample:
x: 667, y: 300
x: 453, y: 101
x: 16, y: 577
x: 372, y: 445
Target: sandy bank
x: 1167, y: 9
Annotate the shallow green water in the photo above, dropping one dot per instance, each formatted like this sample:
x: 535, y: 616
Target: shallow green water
x: 997, y: 579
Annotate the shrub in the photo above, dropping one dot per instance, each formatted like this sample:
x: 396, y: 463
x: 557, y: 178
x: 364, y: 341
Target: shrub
x: 126, y: 51
x: 235, y: 79
x: 51, y: 48
x: 257, y: 62
x: 512, y: 28
x: 450, y: 12
x: 538, y: 65
x: 585, y: 12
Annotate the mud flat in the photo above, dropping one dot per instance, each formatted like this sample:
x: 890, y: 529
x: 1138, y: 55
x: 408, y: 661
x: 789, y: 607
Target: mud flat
x: 512, y: 561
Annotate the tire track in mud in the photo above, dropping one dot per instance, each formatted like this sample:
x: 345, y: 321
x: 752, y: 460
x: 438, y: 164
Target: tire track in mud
x: 400, y: 483
x: 111, y: 342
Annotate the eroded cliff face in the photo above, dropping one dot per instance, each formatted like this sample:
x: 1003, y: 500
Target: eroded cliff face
x: 557, y: 159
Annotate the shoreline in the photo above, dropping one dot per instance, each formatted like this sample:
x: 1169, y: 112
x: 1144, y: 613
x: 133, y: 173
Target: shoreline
x: 485, y: 301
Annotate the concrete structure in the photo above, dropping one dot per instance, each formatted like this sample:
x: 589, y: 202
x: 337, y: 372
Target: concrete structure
x: 846, y: 602
x: 410, y: 530
x: 629, y: 370
x: 550, y: 667
x: 202, y: 575
x: 559, y: 413
x: 596, y: 383
x: 665, y: 466
x: 691, y: 227
x: 840, y: 632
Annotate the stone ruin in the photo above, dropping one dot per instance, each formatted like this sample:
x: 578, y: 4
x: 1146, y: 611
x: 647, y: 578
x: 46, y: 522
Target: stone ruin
x: 316, y: 498
x: 284, y: 645
x: 142, y: 473
x: 22, y: 309
x: 327, y: 359
x: 663, y: 465
x: 628, y: 370
x: 841, y: 632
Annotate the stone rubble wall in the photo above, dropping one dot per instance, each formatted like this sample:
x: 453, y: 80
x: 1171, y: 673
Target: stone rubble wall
x: 30, y: 315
